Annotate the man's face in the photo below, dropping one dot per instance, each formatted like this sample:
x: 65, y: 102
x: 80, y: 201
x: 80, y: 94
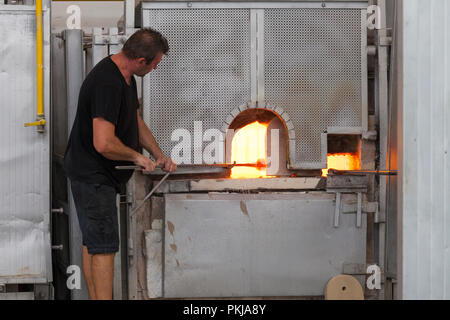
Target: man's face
x: 143, y: 68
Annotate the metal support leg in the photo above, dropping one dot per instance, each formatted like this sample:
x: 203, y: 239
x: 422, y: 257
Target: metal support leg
x: 117, y: 294
x: 337, y: 211
x: 382, y: 77
x: 114, y: 46
x: 359, y: 212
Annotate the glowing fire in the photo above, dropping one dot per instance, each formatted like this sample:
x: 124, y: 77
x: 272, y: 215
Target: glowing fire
x: 249, y: 146
x: 342, y: 161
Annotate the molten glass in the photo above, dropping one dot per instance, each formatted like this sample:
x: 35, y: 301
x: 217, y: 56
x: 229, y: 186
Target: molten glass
x: 342, y: 161
x: 249, y: 146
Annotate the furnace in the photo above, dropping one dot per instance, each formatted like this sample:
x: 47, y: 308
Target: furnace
x: 282, y: 85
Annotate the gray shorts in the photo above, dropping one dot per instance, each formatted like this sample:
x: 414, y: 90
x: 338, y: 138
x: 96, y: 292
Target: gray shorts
x: 97, y: 215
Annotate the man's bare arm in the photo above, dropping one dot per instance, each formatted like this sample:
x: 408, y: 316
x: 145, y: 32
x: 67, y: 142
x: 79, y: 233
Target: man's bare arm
x: 108, y: 145
x: 149, y: 143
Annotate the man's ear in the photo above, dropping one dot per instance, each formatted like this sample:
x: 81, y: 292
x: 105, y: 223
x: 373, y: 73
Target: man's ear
x: 141, y: 61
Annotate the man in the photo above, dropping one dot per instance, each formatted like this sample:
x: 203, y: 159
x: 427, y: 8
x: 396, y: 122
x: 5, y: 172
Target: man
x: 107, y: 132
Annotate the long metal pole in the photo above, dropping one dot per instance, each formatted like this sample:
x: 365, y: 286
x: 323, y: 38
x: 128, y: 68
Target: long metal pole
x: 190, y: 166
x: 150, y: 194
x: 73, y: 42
x: 383, y: 128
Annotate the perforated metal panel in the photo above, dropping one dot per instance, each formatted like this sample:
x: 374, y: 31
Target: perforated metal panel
x: 307, y: 61
x: 313, y: 71
x: 206, y: 74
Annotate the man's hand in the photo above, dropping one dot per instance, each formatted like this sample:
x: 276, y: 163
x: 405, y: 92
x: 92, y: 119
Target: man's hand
x: 147, y: 164
x: 166, y: 164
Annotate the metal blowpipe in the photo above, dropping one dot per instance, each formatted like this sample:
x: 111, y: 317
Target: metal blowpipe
x: 190, y: 166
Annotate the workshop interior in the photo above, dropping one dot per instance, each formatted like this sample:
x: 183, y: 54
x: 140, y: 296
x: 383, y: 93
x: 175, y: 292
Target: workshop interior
x: 311, y: 136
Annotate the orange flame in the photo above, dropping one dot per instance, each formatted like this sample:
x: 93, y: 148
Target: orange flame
x: 249, y: 146
x: 342, y: 161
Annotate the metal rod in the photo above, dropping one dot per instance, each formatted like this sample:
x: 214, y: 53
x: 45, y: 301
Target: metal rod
x: 149, y: 194
x: 359, y: 211
x: 337, y: 210
x: 362, y: 172
x: 190, y: 166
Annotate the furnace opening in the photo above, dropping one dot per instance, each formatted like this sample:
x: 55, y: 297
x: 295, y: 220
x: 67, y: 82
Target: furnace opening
x: 344, y: 153
x: 259, y: 139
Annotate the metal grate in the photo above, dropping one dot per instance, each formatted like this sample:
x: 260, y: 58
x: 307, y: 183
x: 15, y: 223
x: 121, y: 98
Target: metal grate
x: 313, y: 71
x: 206, y: 74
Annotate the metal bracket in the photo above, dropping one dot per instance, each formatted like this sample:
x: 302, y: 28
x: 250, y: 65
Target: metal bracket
x: 337, y: 211
x: 130, y: 247
x: 109, y: 39
x: 126, y: 199
x: 384, y: 41
x: 360, y: 208
x: 370, y: 135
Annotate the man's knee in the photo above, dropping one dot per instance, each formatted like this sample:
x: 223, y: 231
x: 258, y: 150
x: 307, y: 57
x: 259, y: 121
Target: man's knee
x: 104, y: 255
x: 103, y: 259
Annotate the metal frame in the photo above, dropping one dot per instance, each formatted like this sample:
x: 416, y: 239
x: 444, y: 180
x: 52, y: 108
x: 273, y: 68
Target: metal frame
x: 255, y: 5
x: 253, y: 57
x: 260, y: 56
x: 364, y: 82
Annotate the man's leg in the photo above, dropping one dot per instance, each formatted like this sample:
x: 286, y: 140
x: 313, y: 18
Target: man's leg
x: 97, y: 214
x: 87, y: 270
x: 103, y: 275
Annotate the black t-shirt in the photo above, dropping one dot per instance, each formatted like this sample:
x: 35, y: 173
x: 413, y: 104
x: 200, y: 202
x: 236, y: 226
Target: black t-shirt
x: 105, y: 94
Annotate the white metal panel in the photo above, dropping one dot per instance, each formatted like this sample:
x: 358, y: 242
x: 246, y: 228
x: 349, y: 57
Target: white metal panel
x: 25, y: 179
x: 236, y: 245
x: 426, y: 136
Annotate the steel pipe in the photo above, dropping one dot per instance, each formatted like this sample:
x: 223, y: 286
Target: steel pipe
x: 40, y: 123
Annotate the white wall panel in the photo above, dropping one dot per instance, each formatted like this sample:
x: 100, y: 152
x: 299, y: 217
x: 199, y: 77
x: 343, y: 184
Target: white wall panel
x: 24, y: 153
x: 426, y: 136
